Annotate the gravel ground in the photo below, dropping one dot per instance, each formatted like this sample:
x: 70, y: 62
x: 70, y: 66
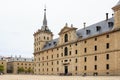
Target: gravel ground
x: 44, y: 77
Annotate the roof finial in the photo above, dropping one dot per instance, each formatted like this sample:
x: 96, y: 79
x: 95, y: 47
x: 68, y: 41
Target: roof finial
x: 45, y: 7
x: 66, y: 25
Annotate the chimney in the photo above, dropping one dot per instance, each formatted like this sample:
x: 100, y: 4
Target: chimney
x: 106, y: 16
x: 84, y: 24
x: 71, y: 25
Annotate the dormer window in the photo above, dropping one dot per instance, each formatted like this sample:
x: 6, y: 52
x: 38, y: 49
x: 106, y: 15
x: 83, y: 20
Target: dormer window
x: 87, y: 32
x: 110, y: 24
x: 49, y: 44
x: 54, y: 42
x: 66, y: 37
x: 98, y: 28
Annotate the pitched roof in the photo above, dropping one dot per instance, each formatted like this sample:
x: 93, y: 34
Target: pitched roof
x: 118, y: 3
x: 92, y: 30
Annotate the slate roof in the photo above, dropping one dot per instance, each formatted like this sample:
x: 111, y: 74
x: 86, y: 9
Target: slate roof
x: 2, y: 58
x: 21, y: 59
x: 92, y: 30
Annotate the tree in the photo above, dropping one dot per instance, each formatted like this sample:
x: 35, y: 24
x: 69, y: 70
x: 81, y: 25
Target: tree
x: 20, y: 70
x: 29, y: 70
x: 1, y: 68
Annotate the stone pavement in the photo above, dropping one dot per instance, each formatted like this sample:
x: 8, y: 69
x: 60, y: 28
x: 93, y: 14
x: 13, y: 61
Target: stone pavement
x: 44, y: 77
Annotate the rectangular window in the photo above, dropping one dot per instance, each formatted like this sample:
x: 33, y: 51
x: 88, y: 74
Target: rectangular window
x: 76, y: 68
x: 52, y: 56
x: 107, y: 56
x: 107, y: 36
x: 76, y: 60
x: 95, y: 39
x: 70, y: 53
x: 57, y: 62
x: 52, y: 63
x: 85, y: 67
x: 95, y: 67
x: 76, y: 44
x: 107, y: 45
x: 61, y: 54
x: 95, y: 58
x: 107, y: 66
x: 85, y: 59
x: 95, y: 48
x: 57, y: 55
x: 57, y: 69
x: 75, y: 51
x: 85, y: 50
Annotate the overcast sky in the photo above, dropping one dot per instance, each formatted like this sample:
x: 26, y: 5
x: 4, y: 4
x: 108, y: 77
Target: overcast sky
x: 19, y: 19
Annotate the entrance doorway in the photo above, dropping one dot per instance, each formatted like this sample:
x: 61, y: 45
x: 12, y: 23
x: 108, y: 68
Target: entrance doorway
x: 66, y: 70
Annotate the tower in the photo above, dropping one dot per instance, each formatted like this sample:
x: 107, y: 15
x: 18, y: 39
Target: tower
x: 116, y: 9
x: 42, y: 36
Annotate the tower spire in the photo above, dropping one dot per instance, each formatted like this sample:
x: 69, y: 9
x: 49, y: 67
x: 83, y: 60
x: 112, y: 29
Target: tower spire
x: 45, y: 20
x: 45, y: 27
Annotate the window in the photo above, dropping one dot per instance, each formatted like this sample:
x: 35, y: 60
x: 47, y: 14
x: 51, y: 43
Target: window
x: 76, y: 60
x: 85, y: 41
x: 95, y: 48
x: 42, y: 58
x: 85, y: 50
x: 98, y: 28
x: 107, y: 56
x: 85, y: 67
x: 107, y: 45
x: 107, y: 36
x: 47, y: 38
x: 76, y: 44
x: 57, y: 62
x: 66, y: 37
x: 57, y: 69
x: 85, y: 59
x: 47, y: 57
x: 107, y: 66
x: 76, y: 68
x: 110, y: 24
x: 95, y: 58
x: 95, y: 67
x: 47, y: 69
x: 57, y: 55
x: 61, y: 54
x: 95, y: 39
x: 87, y: 32
x: 52, y: 56
x: 52, y: 69
x: 65, y: 51
x: 70, y: 53
x: 52, y: 63
x: 65, y: 60
x: 44, y: 37
x: 75, y: 51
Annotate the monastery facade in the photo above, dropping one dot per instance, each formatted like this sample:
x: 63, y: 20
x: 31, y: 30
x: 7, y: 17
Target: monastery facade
x: 92, y: 50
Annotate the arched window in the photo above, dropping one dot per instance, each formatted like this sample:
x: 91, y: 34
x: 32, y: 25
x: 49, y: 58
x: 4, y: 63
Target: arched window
x: 66, y: 37
x: 65, y: 51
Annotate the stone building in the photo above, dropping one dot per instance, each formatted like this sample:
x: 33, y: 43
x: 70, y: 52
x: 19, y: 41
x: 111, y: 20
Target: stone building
x: 3, y: 63
x: 92, y: 50
x: 14, y: 65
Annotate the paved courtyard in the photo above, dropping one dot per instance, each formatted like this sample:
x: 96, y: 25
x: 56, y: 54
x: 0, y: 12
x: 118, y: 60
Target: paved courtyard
x: 43, y: 77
